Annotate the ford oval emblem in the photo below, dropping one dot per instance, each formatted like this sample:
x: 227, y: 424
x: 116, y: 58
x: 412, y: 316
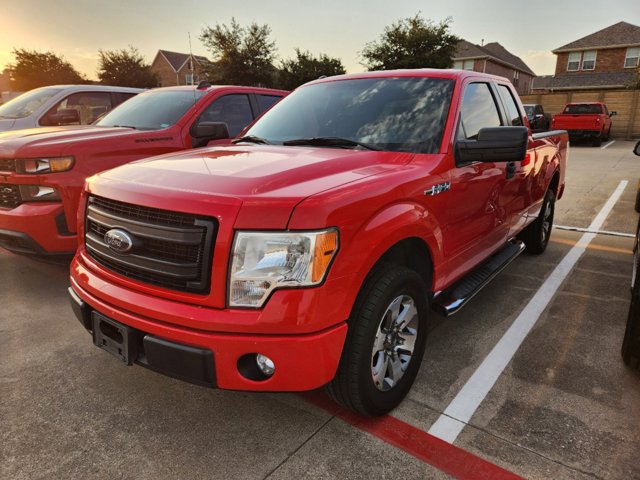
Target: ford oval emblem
x: 118, y: 240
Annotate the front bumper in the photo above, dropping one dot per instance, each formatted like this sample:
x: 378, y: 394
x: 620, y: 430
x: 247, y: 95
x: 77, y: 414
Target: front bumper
x: 302, y: 362
x: 36, y: 228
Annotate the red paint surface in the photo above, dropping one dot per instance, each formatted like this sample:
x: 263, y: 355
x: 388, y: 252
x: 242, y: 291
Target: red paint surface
x: 417, y: 443
x: 95, y: 149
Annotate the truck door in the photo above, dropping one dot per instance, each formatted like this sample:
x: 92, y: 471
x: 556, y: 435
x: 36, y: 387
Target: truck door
x: 477, y: 215
x: 516, y: 193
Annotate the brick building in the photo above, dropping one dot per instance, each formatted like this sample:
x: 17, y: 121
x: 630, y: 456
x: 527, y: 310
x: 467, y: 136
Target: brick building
x: 493, y: 58
x: 175, y: 68
x: 606, y: 59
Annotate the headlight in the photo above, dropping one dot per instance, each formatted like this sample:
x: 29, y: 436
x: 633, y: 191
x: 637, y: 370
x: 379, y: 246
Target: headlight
x: 38, y: 193
x: 45, y: 165
x: 265, y: 261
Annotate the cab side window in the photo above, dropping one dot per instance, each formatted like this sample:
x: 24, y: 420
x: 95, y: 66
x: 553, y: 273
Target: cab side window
x: 234, y: 110
x: 88, y: 105
x: 510, y: 104
x: 478, y: 111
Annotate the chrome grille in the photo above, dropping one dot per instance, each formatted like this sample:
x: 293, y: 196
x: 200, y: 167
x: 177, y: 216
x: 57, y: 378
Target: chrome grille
x: 9, y: 196
x: 173, y: 250
x: 7, y: 165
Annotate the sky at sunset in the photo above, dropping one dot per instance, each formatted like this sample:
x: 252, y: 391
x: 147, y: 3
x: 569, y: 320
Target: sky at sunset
x: 78, y: 29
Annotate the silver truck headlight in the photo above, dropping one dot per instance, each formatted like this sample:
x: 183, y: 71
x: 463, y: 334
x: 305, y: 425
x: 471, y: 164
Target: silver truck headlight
x: 265, y: 261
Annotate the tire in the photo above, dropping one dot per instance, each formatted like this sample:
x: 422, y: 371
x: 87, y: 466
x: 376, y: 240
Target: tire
x: 637, y: 206
x: 631, y: 342
x: 379, y: 363
x: 536, y: 235
x: 607, y: 136
x: 597, y: 141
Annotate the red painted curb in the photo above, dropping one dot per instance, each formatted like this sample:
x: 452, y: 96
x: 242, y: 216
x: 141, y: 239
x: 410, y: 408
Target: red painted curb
x: 417, y: 443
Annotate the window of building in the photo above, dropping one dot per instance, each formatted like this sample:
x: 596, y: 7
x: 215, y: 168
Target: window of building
x: 589, y: 60
x: 463, y: 65
x: 631, y: 58
x: 188, y: 79
x: 574, y: 62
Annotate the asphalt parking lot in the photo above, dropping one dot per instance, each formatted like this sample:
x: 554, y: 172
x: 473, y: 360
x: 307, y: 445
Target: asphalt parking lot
x: 563, y: 404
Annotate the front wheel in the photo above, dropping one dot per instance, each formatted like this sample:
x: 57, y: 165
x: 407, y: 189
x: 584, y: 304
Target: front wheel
x: 536, y: 235
x: 385, y: 342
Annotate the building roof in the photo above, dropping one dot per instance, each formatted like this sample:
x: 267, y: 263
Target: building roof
x: 494, y: 51
x: 584, y: 81
x: 622, y: 34
x: 177, y: 60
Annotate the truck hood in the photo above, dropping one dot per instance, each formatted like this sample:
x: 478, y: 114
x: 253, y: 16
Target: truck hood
x: 267, y: 179
x: 52, y: 141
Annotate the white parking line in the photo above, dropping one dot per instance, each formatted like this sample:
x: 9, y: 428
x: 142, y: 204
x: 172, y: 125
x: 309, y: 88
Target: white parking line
x: 607, y: 144
x: 597, y: 232
x: 456, y: 416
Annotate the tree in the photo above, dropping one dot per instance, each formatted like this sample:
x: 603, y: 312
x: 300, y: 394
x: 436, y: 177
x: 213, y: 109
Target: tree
x: 33, y: 69
x: 125, y: 68
x: 305, y: 67
x: 412, y: 43
x: 242, y: 56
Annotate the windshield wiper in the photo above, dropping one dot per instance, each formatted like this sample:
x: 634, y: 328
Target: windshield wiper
x: 252, y: 139
x: 125, y: 126
x: 329, y: 142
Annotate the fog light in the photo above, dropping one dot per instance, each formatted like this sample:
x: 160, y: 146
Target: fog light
x: 38, y: 193
x: 265, y: 364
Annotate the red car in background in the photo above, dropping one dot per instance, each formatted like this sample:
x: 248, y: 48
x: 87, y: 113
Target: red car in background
x: 585, y: 121
x: 42, y: 171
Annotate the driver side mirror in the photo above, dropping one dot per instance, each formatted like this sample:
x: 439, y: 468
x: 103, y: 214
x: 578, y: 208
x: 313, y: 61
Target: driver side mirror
x: 64, y: 116
x: 204, y: 132
x: 495, y: 144
x: 611, y: 114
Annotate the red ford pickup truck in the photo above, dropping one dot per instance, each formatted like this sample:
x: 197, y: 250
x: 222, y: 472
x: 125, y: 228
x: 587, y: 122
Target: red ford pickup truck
x: 310, y: 252
x: 585, y: 120
x: 42, y: 170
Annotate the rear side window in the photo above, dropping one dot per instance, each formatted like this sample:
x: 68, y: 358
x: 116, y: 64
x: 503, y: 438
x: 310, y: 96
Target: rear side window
x: 510, y: 104
x: 234, y: 110
x: 478, y: 111
x: 265, y: 102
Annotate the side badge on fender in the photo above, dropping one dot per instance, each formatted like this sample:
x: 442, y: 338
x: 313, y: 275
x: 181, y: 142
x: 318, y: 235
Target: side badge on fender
x: 437, y: 189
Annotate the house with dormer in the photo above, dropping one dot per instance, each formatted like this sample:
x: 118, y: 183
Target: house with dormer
x: 606, y: 59
x: 175, y: 68
x: 495, y: 59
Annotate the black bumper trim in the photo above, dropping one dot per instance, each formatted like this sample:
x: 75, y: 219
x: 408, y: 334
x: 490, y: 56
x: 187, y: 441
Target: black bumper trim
x: 191, y: 364
x: 184, y: 362
x: 81, y: 309
x: 19, y: 242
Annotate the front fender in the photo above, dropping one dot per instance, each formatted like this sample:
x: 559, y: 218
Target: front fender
x: 361, y: 248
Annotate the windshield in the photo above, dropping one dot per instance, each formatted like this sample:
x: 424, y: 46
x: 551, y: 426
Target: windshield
x: 403, y: 114
x: 27, y: 103
x: 152, y: 110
